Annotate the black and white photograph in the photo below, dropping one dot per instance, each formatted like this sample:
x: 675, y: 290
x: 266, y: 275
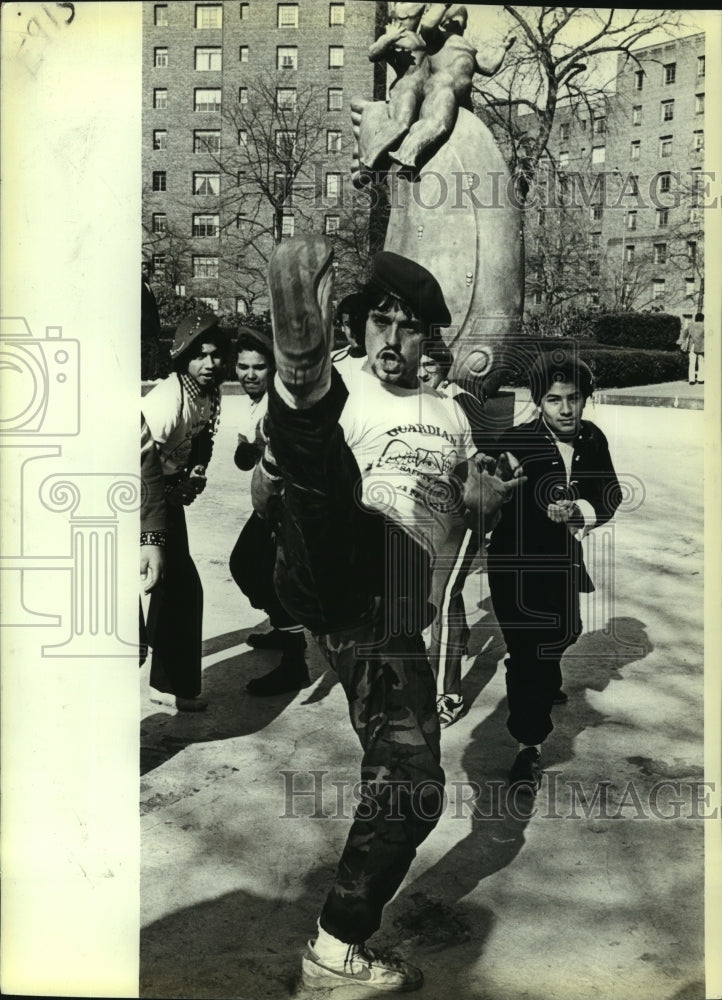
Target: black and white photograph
x: 393, y: 664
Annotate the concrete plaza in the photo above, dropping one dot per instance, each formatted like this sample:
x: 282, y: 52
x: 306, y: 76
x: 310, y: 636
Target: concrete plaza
x: 599, y: 895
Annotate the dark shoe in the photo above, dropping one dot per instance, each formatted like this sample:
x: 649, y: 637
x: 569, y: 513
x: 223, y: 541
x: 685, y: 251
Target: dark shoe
x: 300, y: 283
x: 276, y: 639
x: 560, y: 698
x: 197, y: 704
x: 291, y: 674
x: 525, y: 774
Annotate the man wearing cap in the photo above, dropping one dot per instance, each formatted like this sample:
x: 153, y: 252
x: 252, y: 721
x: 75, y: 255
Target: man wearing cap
x: 373, y: 474
x: 254, y: 554
x: 535, y: 560
x: 182, y: 412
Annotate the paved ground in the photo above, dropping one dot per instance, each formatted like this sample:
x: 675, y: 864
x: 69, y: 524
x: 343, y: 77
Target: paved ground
x: 595, y: 902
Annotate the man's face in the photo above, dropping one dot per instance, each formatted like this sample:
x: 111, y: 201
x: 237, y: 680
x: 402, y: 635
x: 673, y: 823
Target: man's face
x: 393, y: 346
x: 562, y: 409
x: 205, y: 363
x: 252, y: 372
x: 430, y: 372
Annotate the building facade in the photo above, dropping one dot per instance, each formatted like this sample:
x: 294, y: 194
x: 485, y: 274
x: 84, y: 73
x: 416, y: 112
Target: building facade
x: 616, y: 219
x: 247, y: 136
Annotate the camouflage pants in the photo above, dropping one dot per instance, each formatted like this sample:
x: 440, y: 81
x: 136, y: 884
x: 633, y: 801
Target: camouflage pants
x: 392, y: 705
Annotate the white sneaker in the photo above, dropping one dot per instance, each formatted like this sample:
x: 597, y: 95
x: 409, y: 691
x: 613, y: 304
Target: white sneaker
x: 450, y: 708
x: 363, y: 967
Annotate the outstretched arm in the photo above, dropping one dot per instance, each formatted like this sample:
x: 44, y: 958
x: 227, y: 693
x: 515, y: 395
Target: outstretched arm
x: 489, y: 69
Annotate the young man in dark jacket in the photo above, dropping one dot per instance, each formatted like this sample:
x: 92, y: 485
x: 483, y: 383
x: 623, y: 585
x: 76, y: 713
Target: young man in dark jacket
x: 535, y: 560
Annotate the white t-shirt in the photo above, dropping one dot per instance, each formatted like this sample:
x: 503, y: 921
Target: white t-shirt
x: 252, y: 411
x: 407, y: 443
x: 174, y: 418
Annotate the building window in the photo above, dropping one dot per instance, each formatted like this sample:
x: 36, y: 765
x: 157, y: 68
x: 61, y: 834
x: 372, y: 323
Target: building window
x: 635, y: 149
x: 600, y: 125
x: 285, y: 142
x: 159, y: 265
x: 563, y: 159
x: 286, y: 98
x: 241, y: 306
x: 245, y: 11
x: 596, y: 212
x: 700, y: 66
x: 336, y: 14
x: 160, y: 16
x: 206, y: 225
x: 205, y: 267
x: 698, y: 140
x: 637, y: 114
x: 160, y: 138
x: 662, y: 218
x: 159, y: 183
x: 599, y: 154
x: 242, y: 137
x: 667, y: 111
x: 333, y: 185
x: 243, y: 53
x: 689, y: 287
x: 333, y: 141
x: 243, y: 95
x: 692, y: 250
x: 633, y: 184
x: 207, y: 100
x: 694, y: 215
x: 205, y: 141
x: 632, y: 220
x: 665, y: 183
x: 564, y: 131
x: 665, y: 145
x: 287, y: 57
x: 595, y: 240
x: 288, y: 15
x: 639, y: 79
x: 160, y: 58
x: 669, y: 73
x: 159, y: 222
x: 335, y: 99
x: 333, y: 224
x: 209, y: 58
x: 335, y: 56
x: 288, y: 225
x: 658, y: 288
x: 660, y: 253
x: 209, y: 15
x: 629, y: 253
x: 206, y: 183
x: 209, y: 300
x: 160, y: 99
x: 699, y: 104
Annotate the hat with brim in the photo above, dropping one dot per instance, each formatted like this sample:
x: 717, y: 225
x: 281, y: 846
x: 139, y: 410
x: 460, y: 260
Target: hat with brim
x: 191, y: 328
x: 413, y: 285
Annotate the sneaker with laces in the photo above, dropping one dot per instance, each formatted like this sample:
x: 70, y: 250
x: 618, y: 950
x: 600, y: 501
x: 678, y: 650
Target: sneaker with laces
x: 300, y: 286
x: 368, y: 970
x: 450, y: 708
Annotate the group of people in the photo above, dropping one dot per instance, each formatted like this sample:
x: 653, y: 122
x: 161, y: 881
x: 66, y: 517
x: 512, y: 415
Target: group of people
x: 371, y: 499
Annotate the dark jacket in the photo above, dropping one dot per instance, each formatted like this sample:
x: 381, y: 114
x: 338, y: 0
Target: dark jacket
x: 525, y: 537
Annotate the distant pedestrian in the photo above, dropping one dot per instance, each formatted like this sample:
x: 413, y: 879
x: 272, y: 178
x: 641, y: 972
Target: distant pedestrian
x: 150, y: 328
x: 182, y: 412
x: 254, y: 554
x: 696, y: 350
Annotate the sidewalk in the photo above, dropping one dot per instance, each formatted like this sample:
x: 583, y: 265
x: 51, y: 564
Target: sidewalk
x: 679, y: 395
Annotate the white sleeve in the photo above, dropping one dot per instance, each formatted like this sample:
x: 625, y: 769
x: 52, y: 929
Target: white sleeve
x: 161, y: 409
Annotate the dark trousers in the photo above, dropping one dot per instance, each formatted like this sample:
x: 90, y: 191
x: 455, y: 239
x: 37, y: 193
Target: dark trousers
x: 252, y: 564
x: 331, y: 565
x: 175, y: 616
x: 538, y: 613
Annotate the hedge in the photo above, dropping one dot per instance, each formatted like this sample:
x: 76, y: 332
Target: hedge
x: 650, y: 331
x: 613, y: 367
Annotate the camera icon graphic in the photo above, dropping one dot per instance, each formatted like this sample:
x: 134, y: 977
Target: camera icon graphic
x: 41, y: 381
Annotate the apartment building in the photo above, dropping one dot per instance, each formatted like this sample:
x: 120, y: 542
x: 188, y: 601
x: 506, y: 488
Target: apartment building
x: 247, y: 134
x: 618, y: 221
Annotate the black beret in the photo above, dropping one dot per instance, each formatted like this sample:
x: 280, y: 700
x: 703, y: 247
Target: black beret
x: 263, y: 341
x: 190, y: 329
x: 413, y: 285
